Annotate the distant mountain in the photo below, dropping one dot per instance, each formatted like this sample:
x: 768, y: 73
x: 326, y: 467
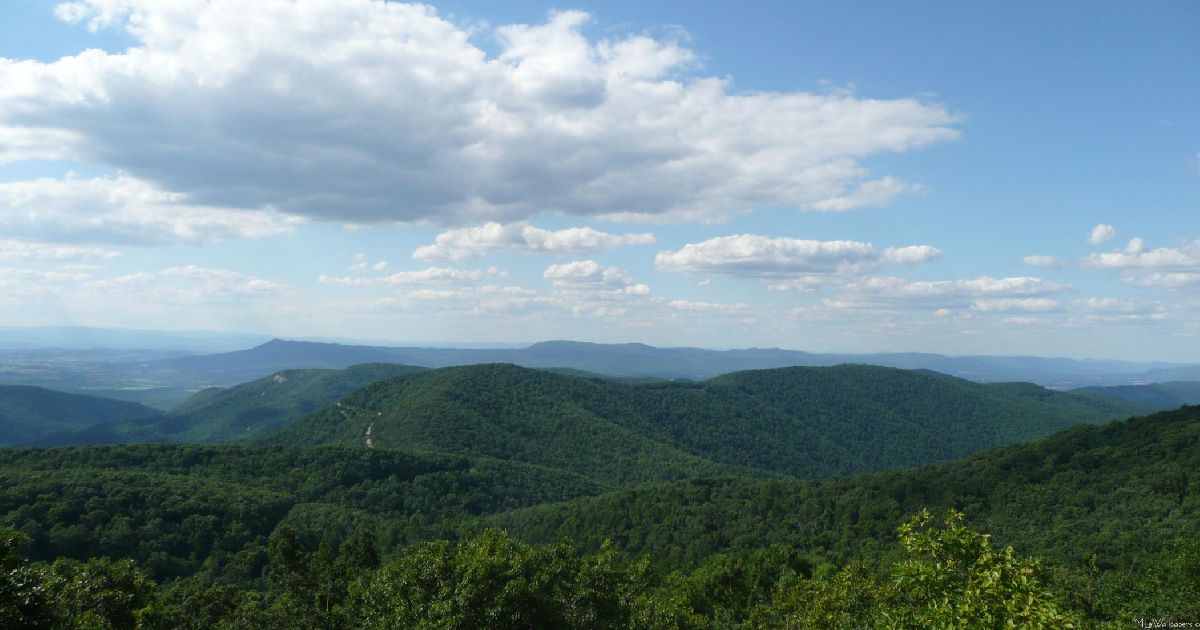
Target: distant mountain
x: 808, y: 422
x: 80, y: 337
x: 1173, y: 394
x: 635, y: 360
x: 30, y: 414
x: 224, y: 415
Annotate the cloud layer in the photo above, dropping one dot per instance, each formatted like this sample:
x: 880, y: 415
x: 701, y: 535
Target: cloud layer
x: 473, y: 242
x: 124, y: 210
x: 754, y: 255
x: 363, y: 110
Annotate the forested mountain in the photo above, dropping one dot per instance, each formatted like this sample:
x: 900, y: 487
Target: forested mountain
x: 243, y: 411
x: 807, y: 422
x: 29, y: 414
x: 1110, y: 506
x: 1121, y: 492
x: 183, y: 510
x: 507, y: 412
x: 1173, y: 394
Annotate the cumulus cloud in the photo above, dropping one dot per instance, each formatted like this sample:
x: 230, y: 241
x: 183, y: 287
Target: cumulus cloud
x: 588, y: 275
x: 363, y: 111
x: 1163, y: 280
x: 1101, y: 234
x: 362, y: 264
x: 1038, y: 260
x: 911, y: 255
x: 719, y: 308
x: 217, y: 283
x: 430, y: 275
x: 876, y: 193
x: 1117, y: 305
x: 1136, y: 256
x: 1017, y: 304
x: 983, y: 294
x: 25, y: 282
x: 1022, y: 321
x: 802, y: 261
x: 473, y: 242
x: 25, y: 250
x: 121, y: 209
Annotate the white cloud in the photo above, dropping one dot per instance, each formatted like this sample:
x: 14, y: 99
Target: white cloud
x: 588, y: 275
x: 765, y: 257
x: 1117, y: 305
x: 473, y: 242
x: 1038, y: 260
x: 734, y: 308
x: 983, y: 294
x: 363, y: 111
x: 1017, y: 304
x: 362, y: 264
x: 430, y: 275
x: 1022, y: 321
x: 911, y: 255
x: 36, y: 282
x: 216, y: 283
x: 1136, y: 256
x: 879, y: 192
x: 121, y: 209
x: 1163, y: 280
x: 25, y: 250
x: 1101, y: 234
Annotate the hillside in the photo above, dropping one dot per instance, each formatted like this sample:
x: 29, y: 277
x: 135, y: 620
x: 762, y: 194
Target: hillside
x: 1172, y: 394
x: 1122, y: 491
x: 502, y: 411
x: 1110, y: 507
x: 243, y: 411
x: 806, y: 422
x: 180, y: 510
x: 29, y: 414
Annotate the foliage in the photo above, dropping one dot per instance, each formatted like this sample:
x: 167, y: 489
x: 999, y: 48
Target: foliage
x: 208, y: 510
x: 32, y: 415
x: 241, y: 412
x: 957, y: 579
x: 804, y: 422
x: 1121, y: 491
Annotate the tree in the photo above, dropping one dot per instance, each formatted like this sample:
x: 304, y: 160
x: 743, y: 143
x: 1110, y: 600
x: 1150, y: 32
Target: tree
x: 956, y: 579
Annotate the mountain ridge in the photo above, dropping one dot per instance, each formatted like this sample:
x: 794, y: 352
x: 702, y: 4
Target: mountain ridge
x: 804, y: 421
x: 641, y: 360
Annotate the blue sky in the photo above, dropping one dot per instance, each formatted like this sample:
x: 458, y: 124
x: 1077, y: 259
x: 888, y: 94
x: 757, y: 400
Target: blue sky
x: 953, y: 177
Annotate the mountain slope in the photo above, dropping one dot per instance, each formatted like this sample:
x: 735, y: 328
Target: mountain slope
x: 29, y: 414
x: 179, y: 510
x: 243, y: 411
x: 806, y: 422
x: 1124, y: 491
x: 500, y: 411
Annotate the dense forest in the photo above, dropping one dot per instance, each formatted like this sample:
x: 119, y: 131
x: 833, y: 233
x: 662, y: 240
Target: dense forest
x: 30, y: 415
x: 236, y: 413
x: 805, y: 422
x: 497, y: 496
x: 1107, y: 509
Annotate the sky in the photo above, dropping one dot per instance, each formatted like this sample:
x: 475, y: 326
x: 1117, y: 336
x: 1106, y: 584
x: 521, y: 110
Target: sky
x: 952, y: 177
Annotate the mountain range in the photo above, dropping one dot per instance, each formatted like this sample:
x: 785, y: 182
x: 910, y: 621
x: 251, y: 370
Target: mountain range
x: 640, y: 360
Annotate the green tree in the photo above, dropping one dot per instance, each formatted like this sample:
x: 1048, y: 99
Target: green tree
x: 22, y: 593
x: 956, y: 579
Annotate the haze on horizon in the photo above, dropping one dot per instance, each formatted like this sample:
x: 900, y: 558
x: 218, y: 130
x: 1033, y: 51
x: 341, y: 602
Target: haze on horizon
x: 1016, y: 179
